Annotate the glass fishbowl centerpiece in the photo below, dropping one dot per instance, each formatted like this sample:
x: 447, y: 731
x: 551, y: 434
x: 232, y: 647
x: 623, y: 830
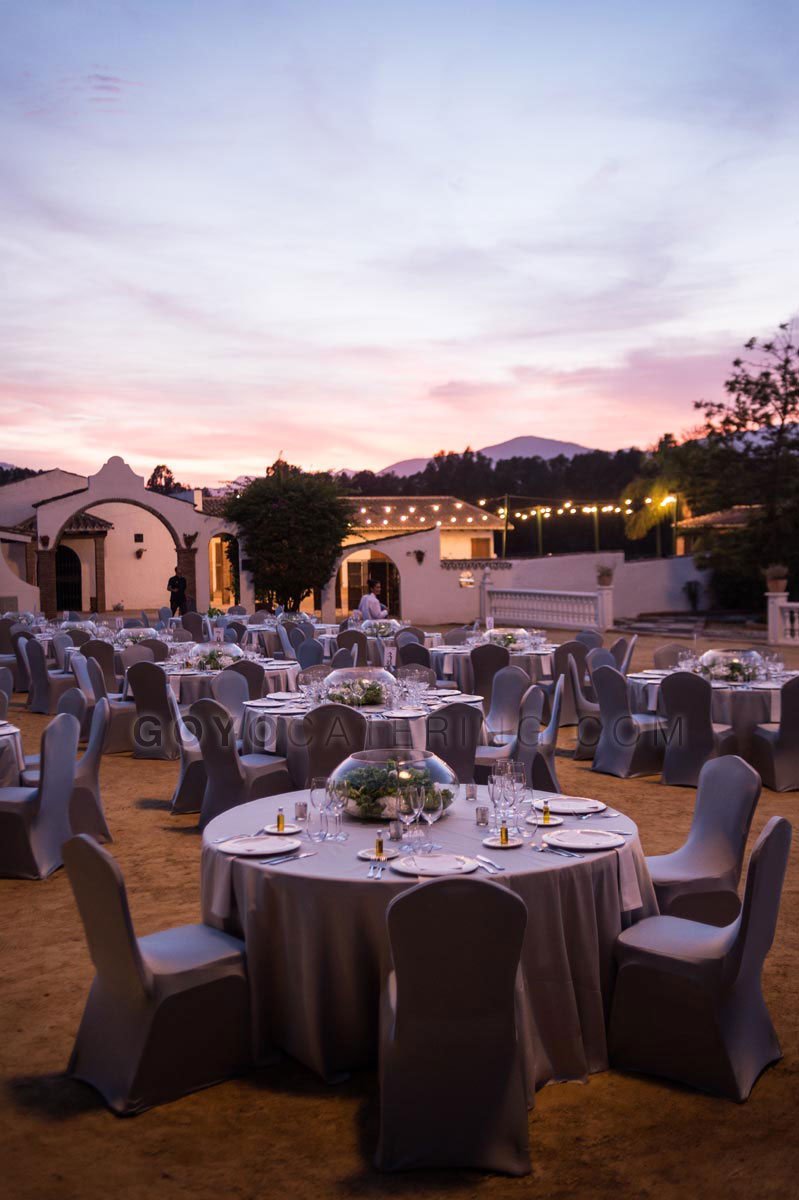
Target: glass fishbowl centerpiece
x: 383, y: 628
x: 210, y: 656
x: 732, y: 666
x: 374, y: 778
x: 359, y: 687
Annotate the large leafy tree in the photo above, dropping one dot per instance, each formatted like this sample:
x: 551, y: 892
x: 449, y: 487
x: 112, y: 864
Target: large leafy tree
x: 163, y: 480
x: 293, y: 524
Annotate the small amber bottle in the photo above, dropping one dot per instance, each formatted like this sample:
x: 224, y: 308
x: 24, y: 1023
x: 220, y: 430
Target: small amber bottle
x: 546, y: 812
x: 379, y: 844
x: 281, y: 820
x: 503, y: 835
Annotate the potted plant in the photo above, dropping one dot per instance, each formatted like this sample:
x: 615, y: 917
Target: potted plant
x: 776, y: 577
x: 604, y: 575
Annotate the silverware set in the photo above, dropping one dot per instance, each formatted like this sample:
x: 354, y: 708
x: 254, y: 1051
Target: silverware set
x: 285, y: 858
x: 375, y: 870
x: 488, y: 865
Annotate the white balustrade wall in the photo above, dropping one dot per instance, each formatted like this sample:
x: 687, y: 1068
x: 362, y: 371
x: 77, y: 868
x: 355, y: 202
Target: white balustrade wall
x: 550, y: 609
x: 783, y: 619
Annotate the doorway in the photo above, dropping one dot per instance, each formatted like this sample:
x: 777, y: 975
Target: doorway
x: 68, y: 587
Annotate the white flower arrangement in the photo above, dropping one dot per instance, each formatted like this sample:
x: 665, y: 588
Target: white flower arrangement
x: 381, y: 628
x: 358, y: 692
x: 215, y: 658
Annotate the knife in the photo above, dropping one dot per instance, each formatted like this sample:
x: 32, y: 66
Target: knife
x: 284, y: 858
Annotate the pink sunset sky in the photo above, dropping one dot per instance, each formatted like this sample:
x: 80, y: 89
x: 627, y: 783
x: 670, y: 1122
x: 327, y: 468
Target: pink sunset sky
x: 360, y: 232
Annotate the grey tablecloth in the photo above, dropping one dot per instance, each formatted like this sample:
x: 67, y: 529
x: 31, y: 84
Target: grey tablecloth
x: 12, y: 760
x: 454, y: 662
x: 741, y: 707
x: 317, y: 950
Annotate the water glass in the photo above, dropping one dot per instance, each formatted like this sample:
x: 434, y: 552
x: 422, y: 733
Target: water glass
x: 317, y: 816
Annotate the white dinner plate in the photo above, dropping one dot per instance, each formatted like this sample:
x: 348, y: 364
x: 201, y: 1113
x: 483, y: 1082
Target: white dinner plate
x: 260, y: 846
x: 405, y: 712
x: 570, y: 804
x: 370, y: 856
x: 584, y: 839
x: 435, y: 864
x: 292, y: 711
x: 496, y: 844
x: 464, y: 699
x: 282, y: 695
x: 287, y: 830
x: 654, y: 671
x: 537, y: 821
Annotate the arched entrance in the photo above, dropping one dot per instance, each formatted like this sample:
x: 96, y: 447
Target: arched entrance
x: 223, y: 570
x: 68, y: 587
x: 356, y: 571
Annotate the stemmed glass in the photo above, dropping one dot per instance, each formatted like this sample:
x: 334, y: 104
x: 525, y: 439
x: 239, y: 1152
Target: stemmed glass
x: 432, y: 808
x: 337, y: 802
x: 407, y: 813
x: 496, y: 796
x: 318, y: 798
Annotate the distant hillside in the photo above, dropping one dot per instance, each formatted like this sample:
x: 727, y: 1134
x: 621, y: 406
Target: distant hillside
x: 518, y: 447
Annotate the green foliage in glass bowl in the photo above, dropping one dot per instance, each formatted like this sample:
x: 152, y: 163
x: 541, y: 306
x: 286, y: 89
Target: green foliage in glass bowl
x: 370, y: 787
x: 358, y: 693
x: 502, y: 639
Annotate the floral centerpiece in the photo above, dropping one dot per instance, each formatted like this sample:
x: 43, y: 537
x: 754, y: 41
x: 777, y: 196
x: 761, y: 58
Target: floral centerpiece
x: 374, y: 778
x: 215, y: 658
x: 358, y: 692
x: 508, y: 637
x: 730, y: 666
x: 383, y: 629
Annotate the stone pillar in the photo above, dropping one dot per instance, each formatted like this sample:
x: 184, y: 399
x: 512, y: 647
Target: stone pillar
x: 46, y: 576
x: 484, y: 601
x: 774, y: 602
x: 99, y: 572
x: 329, y: 600
x: 187, y: 566
x: 30, y: 562
x: 604, y: 608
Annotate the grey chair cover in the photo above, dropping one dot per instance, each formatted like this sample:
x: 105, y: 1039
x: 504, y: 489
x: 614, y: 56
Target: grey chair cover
x: 159, y: 649
x: 451, y: 1087
x: 192, y: 780
x: 502, y: 718
x: 774, y: 749
x: 296, y: 635
x: 342, y: 658
x: 453, y: 734
x: 166, y: 1014
x: 122, y: 713
x: 20, y: 638
x: 259, y: 617
x: 145, y: 619
x: 524, y: 746
x: 592, y: 639
x: 285, y: 642
x: 560, y: 669
x: 7, y: 682
x: 134, y: 623
x: 589, y: 722
x: 406, y: 636
x: 700, y: 880
x: 629, y: 744
x: 542, y: 778
x: 415, y: 630
x: 254, y: 674
x: 79, y: 636
x: 330, y: 733
x: 627, y: 659
x: 353, y: 639
x: 231, y: 690
x: 270, y: 643
x: 377, y: 652
x: 46, y: 686
x: 3, y: 705
x: 194, y: 624
x: 486, y: 660
x: 691, y: 736
x: 237, y: 610
x: 8, y: 657
x: 412, y: 653
x: 668, y: 655
x: 618, y: 649
x: 232, y: 778
x: 59, y: 644
x: 135, y: 654
x: 547, y: 744
x: 181, y: 635
x: 165, y: 614
x: 104, y: 653
x: 310, y: 653
x: 688, y: 1003
x: 600, y: 657
x: 455, y: 637
x: 154, y: 734
x: 238, y: 629
x: 86, y: 814
x: 34, y: 821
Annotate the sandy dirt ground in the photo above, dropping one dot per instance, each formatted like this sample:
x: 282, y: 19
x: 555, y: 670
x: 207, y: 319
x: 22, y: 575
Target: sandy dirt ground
x: 281, y: 1131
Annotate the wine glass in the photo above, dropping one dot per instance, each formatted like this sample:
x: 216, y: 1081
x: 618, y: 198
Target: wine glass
x: 495, y: 795
x: 432, y: 808
x: 337, y: 802
x: 317, y: 817
x: 406, y: 812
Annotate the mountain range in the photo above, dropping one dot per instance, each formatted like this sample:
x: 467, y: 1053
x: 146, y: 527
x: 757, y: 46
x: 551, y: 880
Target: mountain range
x: 518, y: 447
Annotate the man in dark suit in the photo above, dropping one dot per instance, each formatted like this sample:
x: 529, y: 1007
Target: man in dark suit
x: 177, y: 592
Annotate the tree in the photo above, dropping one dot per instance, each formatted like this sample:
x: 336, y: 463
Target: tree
x: 293, y: 524
x: 162, y: 480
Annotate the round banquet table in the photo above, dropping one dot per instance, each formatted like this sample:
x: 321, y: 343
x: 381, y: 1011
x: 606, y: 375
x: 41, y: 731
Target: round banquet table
x: 317, y: 948
x: 455, y: 662
x: 12, y: 757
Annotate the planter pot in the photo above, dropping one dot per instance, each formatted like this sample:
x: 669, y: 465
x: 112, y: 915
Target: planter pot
x: 777, y: 585
x: 373, y: 776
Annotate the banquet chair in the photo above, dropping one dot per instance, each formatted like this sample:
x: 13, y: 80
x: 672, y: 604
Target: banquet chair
x: 426, y: 674
x: 145, y: 619
x: 376, y: 652
x: 592, y: 639
x: 8, y: 657
x: 259, y: 617
x: 455, y: 637
x: 269, y: 643
x: 330, y: 733
x: 415, y: 630
x: 412, y: 653
x: 195, y: 625
x: 153, y: 730
x: 310, y: 653
x: 406, y: 636
x: 546, y: 746
x: 231, y: 690
x: 667, y: 656
x: 160, y: 650
x: 688, y: 1003
x: 133, y: 623
x: 122, y: 713
x: 542, y: 778
x: 345, y: 624
x: 46, y: 686
x: 622, y: 651
x: 630, y: 743
x: 232, y: 778
x: 599, y: 657
x: 525, y: 746
x: 312, y: 674
x: 560, y: 669
x: 104, y: 653
x: 165, y: 614
x: 73, y: 702
x: 192, y: 780
x: 502, y: 718
x: 73, y: 616
x: 775, y: 747
x: 59, y: 644
x: 237, y: 610
x: 237, y: 629
x: 166, y: 1014
x: 3, y: 706
x: 353, y: 639
x: 20, y: 639
x: 692, y: 737
x: 34, y: 821
x: 486, y: 660
x: 132, y: 655
x: 7, y: 682
x: 253, y: 673
x: 342, y: 658
x: 86, y: 813
x: 452, y: 1092
x: 453, y: 733
x: 297, y: 636
x: 79, y: 636
x: 286, y: 645
x: 589, y: 722
x: 181, y: 635
x: 700, y: 880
